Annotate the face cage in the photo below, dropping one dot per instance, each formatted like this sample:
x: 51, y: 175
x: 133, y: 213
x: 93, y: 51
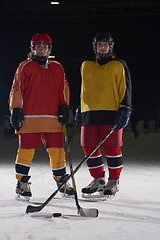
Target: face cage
x: 111, y: 44
x: 34, y: 52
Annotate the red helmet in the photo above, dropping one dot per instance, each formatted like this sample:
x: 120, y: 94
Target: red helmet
x: 41, y: 38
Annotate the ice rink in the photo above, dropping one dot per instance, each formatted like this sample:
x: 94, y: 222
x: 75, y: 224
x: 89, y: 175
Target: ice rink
x: 134, y: 213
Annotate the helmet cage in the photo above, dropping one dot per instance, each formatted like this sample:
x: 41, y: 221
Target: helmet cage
x: 41, y: 38
x: 103, y: 37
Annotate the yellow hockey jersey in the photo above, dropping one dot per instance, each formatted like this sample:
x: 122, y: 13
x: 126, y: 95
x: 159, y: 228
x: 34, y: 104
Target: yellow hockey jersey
x: 105, y: 88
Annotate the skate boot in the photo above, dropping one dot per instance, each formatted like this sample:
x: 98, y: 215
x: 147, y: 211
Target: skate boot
x: 66, y: 189
x: 94, y: 189
x: 111, y: 188
x: 23, y: 191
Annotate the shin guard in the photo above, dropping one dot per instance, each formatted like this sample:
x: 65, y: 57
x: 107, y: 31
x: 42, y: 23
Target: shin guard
x: 57, y: 162
x: 23, y: 162
x: 114, y: 161
x: 95, y: 163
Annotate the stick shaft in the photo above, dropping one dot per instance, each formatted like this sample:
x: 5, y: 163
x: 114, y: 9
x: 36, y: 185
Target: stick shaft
x: 71, y: 167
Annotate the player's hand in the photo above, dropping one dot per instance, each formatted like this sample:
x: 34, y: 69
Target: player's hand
x: 122, y: 117
x: 17, y: 118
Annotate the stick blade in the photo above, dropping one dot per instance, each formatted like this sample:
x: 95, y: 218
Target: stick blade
x: 32, y: 209
x: 85, y: 212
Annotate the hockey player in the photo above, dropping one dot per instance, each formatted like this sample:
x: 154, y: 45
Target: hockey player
x: 105, y: 101
x: 38, y: 103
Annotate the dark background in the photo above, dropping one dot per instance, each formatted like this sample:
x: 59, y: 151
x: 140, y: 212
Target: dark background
x: 134, y: 26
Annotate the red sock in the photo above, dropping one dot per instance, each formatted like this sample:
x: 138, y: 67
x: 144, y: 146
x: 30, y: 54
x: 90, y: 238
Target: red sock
x: 97, y: 172
x: 114, y: 173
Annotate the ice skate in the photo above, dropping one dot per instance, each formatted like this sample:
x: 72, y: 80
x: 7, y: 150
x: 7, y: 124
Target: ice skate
x: 111, y: 188
x: 94, y: 189
x: 67, y: 190
x: 23, y: 191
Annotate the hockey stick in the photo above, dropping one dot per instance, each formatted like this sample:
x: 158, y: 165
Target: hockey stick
x: 81, y: 211
x: 32, y: 209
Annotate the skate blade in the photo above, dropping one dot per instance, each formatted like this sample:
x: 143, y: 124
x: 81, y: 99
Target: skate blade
x: 109, y: 196
x: 18, y: 197
x: 93, y: 195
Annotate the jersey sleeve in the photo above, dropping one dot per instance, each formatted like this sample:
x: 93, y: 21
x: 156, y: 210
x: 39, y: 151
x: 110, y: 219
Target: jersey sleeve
x: 67, y: 92
x: 15, y: 97
x: 127, y: 99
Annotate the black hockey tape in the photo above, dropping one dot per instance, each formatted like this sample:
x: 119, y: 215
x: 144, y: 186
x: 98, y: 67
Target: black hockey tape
x: 57, y: 214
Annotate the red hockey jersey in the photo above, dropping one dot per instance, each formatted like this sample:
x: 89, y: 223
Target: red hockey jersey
x: 39, y: 91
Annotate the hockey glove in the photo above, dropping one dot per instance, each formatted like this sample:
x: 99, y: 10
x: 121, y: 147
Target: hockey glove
x: 63, y: 114
x: 122, y: 117
x: 17, y: 118
x: 78, y: 117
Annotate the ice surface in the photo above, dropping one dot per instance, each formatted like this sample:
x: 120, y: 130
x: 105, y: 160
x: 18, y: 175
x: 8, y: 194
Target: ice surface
x: 133, y: 214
